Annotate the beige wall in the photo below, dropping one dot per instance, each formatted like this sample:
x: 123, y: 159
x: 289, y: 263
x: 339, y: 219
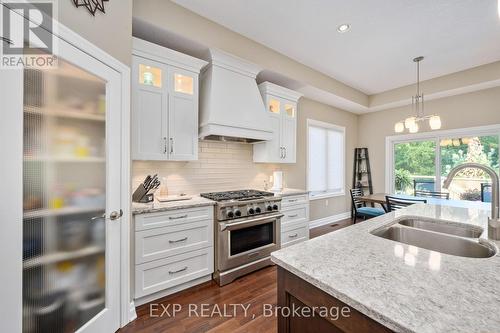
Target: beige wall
x: 295, y: 174
x: 226, y: 166
x: 178, y: 20
x: 111, y: 31
x: 462, y: 111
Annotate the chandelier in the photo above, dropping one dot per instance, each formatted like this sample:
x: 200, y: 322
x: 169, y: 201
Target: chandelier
x: 417, y: 103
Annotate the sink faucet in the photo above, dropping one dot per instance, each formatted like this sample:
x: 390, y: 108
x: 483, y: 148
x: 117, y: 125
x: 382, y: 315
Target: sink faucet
x: 493, y: 221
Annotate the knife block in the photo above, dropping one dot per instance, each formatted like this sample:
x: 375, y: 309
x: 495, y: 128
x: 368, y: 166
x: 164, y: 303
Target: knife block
x: 141, y: 195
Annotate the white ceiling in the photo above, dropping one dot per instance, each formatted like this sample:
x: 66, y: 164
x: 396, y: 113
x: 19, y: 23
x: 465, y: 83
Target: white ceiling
x: 376, y: 54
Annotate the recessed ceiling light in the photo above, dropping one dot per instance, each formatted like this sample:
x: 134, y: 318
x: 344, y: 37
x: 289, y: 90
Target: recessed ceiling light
x: 343, y: 28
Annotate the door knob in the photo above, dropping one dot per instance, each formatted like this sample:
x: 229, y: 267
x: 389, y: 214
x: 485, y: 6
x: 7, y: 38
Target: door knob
x: 115, y: 215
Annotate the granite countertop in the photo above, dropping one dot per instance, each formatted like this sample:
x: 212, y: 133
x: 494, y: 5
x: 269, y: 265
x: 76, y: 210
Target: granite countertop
x: 407, y: 289
x: 155, y: 206
x: 286, y: 192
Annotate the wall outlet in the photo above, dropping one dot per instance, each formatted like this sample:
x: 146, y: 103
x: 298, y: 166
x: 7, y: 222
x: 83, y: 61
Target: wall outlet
x: 326, y: 203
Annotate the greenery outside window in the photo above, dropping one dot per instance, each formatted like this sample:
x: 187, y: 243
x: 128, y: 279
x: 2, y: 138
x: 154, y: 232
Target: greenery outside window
x: 423, y: 164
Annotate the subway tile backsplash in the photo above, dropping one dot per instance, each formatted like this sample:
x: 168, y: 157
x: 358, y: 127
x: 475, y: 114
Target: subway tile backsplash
x: 221, y: 166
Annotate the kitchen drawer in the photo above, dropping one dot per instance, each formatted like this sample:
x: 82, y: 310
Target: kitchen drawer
x: 158, y: 243
x: 295, y: 214
x: 294, y: 235
x: 294, y: 200
x: 174, y: 217
x: 162, y: 274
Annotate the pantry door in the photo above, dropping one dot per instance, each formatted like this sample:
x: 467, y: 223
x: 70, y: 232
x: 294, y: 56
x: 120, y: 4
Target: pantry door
x: 63, y: 209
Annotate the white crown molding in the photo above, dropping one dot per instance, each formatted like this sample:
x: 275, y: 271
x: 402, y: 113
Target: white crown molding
x: 274, y: 89
x: 232, y: 63
x: 159, y: 53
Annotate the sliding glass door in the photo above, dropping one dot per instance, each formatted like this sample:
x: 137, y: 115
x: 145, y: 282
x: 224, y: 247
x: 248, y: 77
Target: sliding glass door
x: 423, y: 161
x: 414, y: 166
x: 471, y: 184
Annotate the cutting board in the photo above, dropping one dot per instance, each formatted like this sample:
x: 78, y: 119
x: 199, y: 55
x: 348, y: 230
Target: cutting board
x: 169, y: 198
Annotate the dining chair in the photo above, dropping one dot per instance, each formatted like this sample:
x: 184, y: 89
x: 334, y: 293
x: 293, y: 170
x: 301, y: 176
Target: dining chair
x: 360, y: 209
x: 432, y: 194
x: 423, y: 185
x: 395, y: 203
x: 485, y: 192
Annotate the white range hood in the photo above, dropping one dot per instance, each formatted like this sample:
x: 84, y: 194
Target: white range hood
x: 231, y: 106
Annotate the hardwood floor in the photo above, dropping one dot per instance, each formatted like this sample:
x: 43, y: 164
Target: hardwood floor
x: 210, y: 308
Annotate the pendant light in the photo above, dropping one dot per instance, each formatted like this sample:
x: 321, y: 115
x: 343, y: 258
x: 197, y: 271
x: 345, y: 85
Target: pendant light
x: 417, y: 103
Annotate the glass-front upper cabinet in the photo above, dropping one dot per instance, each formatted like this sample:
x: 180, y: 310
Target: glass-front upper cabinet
x: 290, y: 110
x: 273, y: 105
x: 150, y: 75
x: 281, y: 104
x: 183, y: 83
x: 164, y: 103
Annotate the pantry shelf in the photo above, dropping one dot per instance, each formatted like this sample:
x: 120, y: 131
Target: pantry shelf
x: 39, y: 213
x: 56, y: 257
x: 64, y: 159
x: 75, y: 114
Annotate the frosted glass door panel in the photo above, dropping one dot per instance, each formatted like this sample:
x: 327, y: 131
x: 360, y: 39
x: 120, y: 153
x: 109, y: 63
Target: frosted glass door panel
x: 64, y: 197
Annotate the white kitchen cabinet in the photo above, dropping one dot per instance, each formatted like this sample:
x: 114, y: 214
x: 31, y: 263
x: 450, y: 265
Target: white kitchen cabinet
x: 281, y: 104
x: 295, y: 220
x: 164, y: 103
x: 174, y: 250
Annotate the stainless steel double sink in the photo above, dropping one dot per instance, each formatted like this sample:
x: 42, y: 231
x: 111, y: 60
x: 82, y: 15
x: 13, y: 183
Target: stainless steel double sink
x: 440, y: 236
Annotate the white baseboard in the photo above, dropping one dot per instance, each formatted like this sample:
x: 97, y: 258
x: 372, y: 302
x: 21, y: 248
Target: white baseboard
x: 329, y: 220
x: 132, y: 315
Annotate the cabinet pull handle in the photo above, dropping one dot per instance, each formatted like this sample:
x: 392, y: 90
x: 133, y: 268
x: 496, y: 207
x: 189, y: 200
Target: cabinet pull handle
x: 293, y: 200
x: 178, y: 241
x: 294, y: 215
x: 164, y: 145
x: 293, y: 236
x: 177, y: 217
x: 178, y: 271
x: 171, y: 145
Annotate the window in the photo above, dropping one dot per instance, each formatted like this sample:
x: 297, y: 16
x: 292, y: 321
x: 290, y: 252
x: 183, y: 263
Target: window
x: 423, y: 161
x: 326, y: 159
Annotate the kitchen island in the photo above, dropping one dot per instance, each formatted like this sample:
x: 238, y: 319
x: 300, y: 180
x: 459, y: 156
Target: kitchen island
x: 387, y: 285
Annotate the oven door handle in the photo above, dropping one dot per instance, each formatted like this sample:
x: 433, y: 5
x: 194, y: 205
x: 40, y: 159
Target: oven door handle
x: 229, y: 226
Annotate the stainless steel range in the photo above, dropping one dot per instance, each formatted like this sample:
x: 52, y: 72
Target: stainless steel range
x: 248, y: 229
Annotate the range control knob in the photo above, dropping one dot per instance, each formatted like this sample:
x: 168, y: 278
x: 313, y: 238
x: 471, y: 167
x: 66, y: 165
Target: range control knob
x: 230, y: 214
x: 251, y: 211
x: 275, y: 207
x: 269, y: 208
x: 237, y: 213
x: 257, y: 210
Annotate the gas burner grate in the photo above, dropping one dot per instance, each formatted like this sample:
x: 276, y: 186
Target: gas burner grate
x: 243, y: 195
